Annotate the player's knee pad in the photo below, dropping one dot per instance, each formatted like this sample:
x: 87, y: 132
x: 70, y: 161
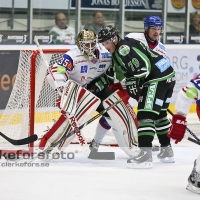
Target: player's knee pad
x: 162, y: 127
x: 146, y: 132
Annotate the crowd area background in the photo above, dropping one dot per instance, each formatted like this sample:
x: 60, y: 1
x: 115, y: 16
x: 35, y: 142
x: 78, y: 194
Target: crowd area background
x: 23, y: 21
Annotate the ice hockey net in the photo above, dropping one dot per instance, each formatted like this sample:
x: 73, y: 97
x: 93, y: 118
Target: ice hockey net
x: 31, y: 108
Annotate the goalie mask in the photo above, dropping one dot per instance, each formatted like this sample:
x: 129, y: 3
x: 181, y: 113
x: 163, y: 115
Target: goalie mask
x: 87, y: 43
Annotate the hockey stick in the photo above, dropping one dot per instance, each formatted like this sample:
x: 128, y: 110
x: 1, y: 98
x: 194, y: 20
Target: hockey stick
x: 47, y: 64
x: 23, y: 141
x: 99, y: 155
x: 198, y: 140
x: 193, y: 140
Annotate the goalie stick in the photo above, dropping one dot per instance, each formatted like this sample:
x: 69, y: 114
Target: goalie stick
x: 197, y: 139
x: 23, y: 141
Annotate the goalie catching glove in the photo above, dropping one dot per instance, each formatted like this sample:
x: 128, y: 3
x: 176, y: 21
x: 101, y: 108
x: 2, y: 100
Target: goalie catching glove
x: 178, y: 129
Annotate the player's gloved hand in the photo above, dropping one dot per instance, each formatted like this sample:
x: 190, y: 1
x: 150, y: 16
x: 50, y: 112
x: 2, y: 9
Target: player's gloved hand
x: 97, y: 85
x: 198, y: 108
x: 133, y: 88
x: 178, y: 129
x: 96, y: 88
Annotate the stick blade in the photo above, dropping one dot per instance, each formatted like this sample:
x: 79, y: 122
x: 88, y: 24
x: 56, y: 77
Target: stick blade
x: 101, y: 155
x: 23, y: 141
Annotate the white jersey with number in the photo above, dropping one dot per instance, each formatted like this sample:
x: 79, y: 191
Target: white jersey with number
x: 159, y: 48
x: 78, y: 68
x: 187, y: 96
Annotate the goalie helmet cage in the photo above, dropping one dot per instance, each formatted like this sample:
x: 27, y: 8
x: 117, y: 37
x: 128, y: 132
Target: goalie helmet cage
x: 31, y: 108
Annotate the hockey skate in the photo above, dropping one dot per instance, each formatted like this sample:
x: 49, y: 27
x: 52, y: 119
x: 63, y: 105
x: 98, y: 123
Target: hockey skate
x: 166, y: 154
x: 94, y: 146
x: 142, y: 160
x: 194, y: 181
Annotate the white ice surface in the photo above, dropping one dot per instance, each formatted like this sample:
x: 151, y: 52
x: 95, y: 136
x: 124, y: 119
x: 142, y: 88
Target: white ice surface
x: 84, y: 179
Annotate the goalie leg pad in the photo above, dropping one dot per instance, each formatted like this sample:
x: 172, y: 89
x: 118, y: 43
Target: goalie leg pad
x: 123, y: 140
x: 85, y: 107
x: 123, y: 121
x: 56, y: 131
x: 123, y: 116
x: 70, y: 95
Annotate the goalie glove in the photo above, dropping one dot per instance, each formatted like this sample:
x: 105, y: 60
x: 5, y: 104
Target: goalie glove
x: 178, y: 129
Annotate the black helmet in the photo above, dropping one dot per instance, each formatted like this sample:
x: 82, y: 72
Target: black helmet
x: 107, y: 33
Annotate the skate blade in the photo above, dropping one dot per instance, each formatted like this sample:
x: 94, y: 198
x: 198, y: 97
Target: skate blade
x: 192, y: 188
x: 144, y: 165
x: 101, y: 155
x: 167, y: 160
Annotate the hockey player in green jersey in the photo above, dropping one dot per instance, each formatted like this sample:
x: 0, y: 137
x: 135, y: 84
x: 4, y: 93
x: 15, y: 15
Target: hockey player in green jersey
x: 150, y: 77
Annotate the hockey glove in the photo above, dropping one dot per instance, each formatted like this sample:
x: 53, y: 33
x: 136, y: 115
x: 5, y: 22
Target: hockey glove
x: 198, y: 108
x: 178, y: 129
x: 97, y: 85
x: 115, y: 86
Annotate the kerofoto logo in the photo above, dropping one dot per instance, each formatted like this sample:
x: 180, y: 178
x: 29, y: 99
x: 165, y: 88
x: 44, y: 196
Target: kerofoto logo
x: 78, y: 133
x: 40, y: 155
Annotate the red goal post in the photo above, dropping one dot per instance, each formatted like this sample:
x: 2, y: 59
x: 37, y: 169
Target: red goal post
x: 31, y: 108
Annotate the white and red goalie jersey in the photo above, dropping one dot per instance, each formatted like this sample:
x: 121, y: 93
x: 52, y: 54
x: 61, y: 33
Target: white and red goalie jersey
x: 78, y: 68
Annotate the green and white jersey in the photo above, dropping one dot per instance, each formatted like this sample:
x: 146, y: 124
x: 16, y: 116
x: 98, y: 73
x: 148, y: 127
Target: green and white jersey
x: 136, y: 60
